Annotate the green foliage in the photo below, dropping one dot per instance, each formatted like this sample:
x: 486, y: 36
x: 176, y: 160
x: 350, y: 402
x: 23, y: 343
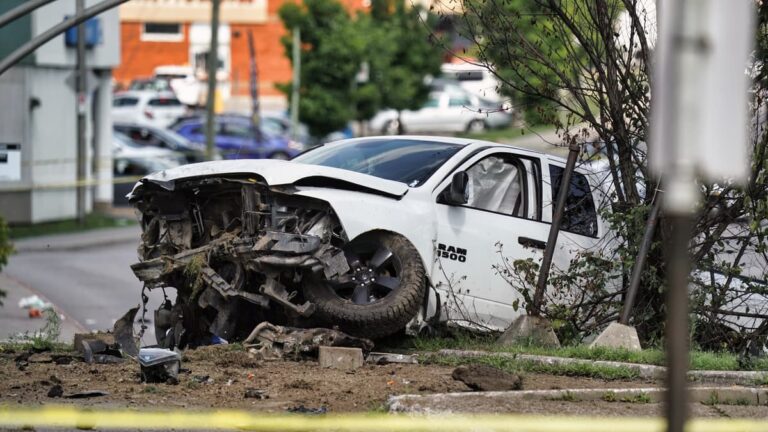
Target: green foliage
x: 6, y: 249
x: 331, y: 54
x: 517, y: 366
x: 391, y: 42
x: 699, y: 360
x: 45, y: 339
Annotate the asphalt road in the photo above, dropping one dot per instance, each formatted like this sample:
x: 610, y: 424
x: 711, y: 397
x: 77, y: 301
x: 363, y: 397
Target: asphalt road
x: 93, y: 286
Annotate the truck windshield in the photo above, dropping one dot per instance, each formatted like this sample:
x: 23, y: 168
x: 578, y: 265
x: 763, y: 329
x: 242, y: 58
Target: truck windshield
x: 404, y: 160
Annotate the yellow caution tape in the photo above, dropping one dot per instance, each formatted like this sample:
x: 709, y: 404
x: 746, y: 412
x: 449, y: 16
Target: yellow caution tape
x: 86, y: 418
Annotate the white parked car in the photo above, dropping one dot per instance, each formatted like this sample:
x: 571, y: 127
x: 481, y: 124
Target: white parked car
x: 369, y: 234
x: 476, y: 79
x: 187, y: 86
x: 146, y: 108
x: 451, y: 110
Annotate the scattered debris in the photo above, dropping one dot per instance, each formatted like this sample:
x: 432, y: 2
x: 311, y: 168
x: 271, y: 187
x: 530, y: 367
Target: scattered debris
x: 253, y: 393
x: 87, y: 394
x: 202, y: 379
x: 123, y: 331
x: 103, y: 337
x: 56, y: 391
x: 34, y: 306
x: 301, y: 409
x: 277, y: 342
x: 159, y: 365
x: 487, y: 378
x: 96, y: 351
x: 386, y: 358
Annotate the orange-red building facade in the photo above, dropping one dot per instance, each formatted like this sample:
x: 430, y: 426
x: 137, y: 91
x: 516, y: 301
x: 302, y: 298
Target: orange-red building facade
x: 175, y: 32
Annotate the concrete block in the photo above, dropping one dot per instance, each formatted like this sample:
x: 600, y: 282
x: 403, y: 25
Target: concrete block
x: 530, y: 330
x: 618, y: 336
x: 340, y: 358
x: 106, y: 338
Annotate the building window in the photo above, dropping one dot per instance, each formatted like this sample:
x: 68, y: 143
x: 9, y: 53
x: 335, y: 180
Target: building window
x: 161, y: 32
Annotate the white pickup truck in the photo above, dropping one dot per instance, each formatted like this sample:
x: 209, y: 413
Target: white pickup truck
x: 365, y: 234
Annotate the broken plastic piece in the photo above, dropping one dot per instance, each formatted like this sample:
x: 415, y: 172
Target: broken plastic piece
x: 159, y: 365
x: 386, y: 358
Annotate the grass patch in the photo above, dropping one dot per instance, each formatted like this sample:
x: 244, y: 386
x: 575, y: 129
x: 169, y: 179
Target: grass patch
x: 514, y: 365
x: 700, y: 360
x: 507, y: 134
x: 45, y: 339
x: 92, y: 221
x: 567, y: 397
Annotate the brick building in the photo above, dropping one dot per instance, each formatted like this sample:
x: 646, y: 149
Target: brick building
x: 177, y: 32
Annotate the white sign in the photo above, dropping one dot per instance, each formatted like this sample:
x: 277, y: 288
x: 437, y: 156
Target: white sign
x: 10, y: 162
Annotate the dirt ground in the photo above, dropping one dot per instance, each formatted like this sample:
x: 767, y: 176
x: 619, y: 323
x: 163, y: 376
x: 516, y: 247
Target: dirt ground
x: 220, y: 376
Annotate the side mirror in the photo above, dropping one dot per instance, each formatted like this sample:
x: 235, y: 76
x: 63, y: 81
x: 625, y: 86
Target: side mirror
x: 457, y: 193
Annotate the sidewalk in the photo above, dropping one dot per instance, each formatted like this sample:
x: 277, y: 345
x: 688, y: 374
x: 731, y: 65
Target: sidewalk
x: 79, y: 240
x: 14, y: 320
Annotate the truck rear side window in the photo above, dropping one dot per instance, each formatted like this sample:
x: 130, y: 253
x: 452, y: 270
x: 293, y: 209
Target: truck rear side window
x: 580, y: 216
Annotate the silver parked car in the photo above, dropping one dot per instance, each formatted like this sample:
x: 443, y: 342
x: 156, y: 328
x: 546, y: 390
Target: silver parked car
x: 449, y: 110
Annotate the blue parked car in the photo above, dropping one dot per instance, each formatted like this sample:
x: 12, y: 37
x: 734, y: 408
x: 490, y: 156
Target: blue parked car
x: 236, y: 138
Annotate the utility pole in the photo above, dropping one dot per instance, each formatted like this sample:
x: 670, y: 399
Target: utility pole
x: 213, y: 66
x: 254, y: 87
x: 80, y: 89
x: 296, y: 84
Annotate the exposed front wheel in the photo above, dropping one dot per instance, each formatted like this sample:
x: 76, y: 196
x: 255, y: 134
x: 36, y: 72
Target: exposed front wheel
x: 382, y: 291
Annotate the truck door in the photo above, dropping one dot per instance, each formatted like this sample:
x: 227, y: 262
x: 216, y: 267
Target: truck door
x: 501, y: 222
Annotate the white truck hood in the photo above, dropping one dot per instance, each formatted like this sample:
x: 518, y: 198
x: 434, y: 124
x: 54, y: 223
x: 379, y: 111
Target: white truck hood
x: 275, y: 173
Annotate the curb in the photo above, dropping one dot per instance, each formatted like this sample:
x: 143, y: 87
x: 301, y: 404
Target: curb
x: 649, y: 372
x: 80, y: 240
x: 446, y: 402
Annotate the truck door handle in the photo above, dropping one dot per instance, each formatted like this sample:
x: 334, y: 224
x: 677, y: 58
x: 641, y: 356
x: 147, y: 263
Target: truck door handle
x: 533, y: 243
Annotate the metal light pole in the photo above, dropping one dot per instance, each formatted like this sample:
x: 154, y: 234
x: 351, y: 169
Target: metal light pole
x: 80, y: 89
x: 699, y: 103
x: 213, y: 65
x: 296, y: 84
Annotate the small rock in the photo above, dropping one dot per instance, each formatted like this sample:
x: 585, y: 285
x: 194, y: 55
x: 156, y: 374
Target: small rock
x: 487, y: 378
x: 56, y: 391
x: 253, y: 393
x: 87, y: 394
x: 301, y: 409
x: 55, y: 379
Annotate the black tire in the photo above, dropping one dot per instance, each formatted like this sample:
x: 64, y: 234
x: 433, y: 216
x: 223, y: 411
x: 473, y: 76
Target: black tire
x: 374, y: 317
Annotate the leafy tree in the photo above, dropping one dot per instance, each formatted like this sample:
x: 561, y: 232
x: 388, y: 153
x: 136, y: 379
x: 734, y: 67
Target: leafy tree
x: 590, y: 60
x: 331, y: 54
x: 411, y: 56
x: 391, y: 41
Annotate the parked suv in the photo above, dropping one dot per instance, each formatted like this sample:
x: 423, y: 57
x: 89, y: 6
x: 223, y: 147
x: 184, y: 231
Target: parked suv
x: 236, y: 138
x: 146, y: 108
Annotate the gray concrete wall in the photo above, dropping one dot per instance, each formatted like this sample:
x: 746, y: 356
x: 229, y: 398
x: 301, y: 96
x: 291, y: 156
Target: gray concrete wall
x: 56, y: 54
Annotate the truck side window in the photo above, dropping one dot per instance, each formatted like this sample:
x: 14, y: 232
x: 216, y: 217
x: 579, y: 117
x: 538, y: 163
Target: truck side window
x: 580, y: 216
x: 501, y: 184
